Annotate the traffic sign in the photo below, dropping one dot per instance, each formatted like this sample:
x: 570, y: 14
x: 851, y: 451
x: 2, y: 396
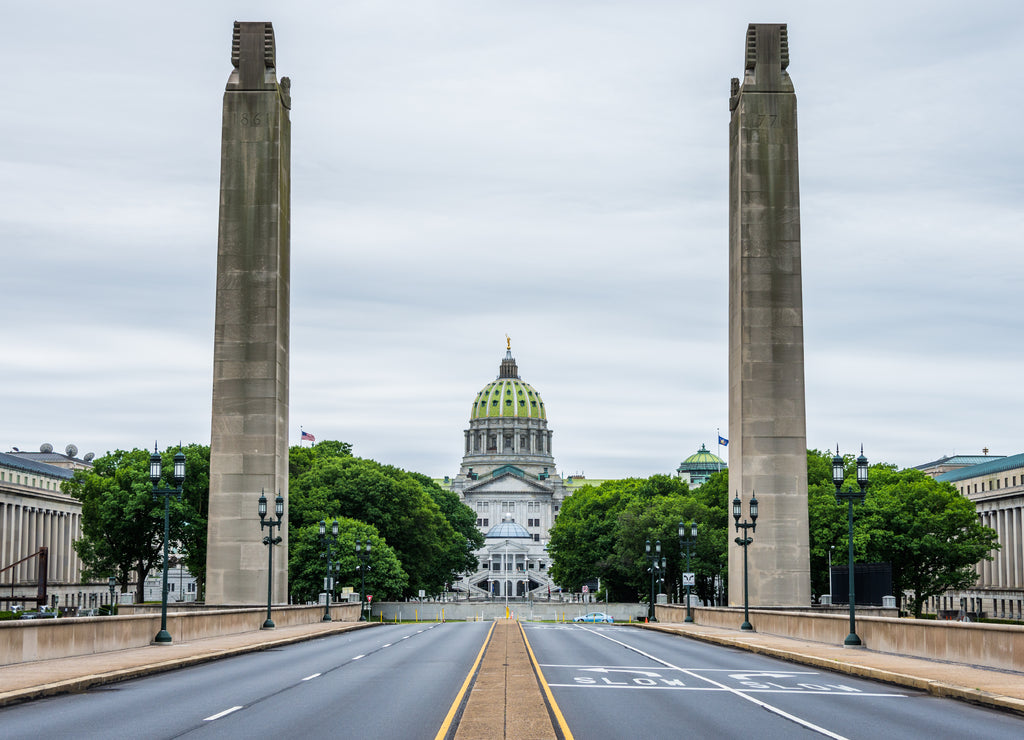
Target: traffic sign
x: 585, y: 589
x: 689, y: 579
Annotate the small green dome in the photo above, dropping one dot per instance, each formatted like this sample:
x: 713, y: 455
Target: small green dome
x: 701, y: 464
x: 703, y: 456
x: 508, y: 396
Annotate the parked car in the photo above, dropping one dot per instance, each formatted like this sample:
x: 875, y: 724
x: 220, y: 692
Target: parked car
x: 37, y: 615
x: 595, y: 617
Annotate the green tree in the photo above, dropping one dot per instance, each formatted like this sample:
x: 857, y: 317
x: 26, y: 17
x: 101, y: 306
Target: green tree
x: 827, y: 522
x: 334, y: 484
x: 385, y: 578
x: 926, y: 530
x: 195, y: 509
x: 467, y: 538
x: 582, y: 544
x: 657, y: 519
x: 122, y: 523
x: 300, y: 459
x: 602, y: 532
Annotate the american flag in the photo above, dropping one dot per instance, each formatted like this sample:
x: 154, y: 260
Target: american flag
x: 307, y: 437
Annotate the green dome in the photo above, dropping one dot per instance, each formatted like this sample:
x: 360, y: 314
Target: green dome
x: 508, y: 396
x: 702, y: 461
x: 703, y: 456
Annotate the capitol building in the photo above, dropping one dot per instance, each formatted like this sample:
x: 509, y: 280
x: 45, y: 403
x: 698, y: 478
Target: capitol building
x: 508, y: 477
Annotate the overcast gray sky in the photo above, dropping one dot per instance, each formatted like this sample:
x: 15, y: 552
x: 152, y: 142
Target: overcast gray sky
x: 554, y: 170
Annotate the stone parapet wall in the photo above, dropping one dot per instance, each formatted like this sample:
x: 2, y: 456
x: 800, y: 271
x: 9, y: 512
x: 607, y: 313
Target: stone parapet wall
x: 989, y: 645
x: 22, y: 641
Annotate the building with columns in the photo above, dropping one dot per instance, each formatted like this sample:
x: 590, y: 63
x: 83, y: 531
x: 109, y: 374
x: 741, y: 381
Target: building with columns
x: 35, y: 513
x: 508, y: 477
x: 996, y: 486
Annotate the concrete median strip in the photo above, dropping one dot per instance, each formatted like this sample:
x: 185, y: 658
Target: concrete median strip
x: 507, y: 699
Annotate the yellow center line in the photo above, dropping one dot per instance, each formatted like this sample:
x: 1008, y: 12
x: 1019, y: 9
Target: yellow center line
x: 443, y: 732
x: 562, y: 724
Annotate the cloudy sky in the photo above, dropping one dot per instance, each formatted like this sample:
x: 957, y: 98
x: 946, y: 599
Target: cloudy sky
x: 550, y: 169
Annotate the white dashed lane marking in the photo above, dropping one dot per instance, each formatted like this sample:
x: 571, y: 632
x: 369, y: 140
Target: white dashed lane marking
x: 221, y: 714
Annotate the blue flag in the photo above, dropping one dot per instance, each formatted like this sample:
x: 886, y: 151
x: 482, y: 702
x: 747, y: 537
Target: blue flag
x: 722, y: 441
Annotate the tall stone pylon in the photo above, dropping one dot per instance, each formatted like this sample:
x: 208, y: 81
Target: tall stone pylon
x: 767, y: 422
x: 249, y: 439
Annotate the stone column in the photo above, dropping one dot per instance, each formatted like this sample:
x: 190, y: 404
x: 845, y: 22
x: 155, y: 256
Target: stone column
x: 76, y: 563
x: 249, y: 439
x: 1018, y: 566
x: 768, y: 439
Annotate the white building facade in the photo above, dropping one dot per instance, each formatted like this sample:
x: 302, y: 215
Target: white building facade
x: 35, y: 513
x: 996, y: 486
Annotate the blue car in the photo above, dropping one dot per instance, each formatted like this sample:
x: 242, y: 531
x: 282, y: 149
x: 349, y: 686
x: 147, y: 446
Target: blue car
x: 595, y: 617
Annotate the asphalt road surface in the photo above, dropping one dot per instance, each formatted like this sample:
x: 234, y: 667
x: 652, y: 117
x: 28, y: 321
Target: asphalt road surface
x: 392, y: 681
x: 398, y: 681
x: 622, y: 682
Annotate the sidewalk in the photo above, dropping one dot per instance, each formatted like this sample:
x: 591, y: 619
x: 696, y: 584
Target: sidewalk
x: 26, y: 681
x: 976, y: 684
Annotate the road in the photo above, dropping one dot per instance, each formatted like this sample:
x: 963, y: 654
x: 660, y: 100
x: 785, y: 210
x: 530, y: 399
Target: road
x: 616, y: 682
x: 398, y: 681
x: 391, y: 681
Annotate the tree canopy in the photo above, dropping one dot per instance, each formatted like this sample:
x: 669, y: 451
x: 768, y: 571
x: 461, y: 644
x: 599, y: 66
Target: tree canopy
x: 926, y: 530
x: 601, y: 532
x: 331, y: 483
x: 307, y: 564
x: 122, y: 522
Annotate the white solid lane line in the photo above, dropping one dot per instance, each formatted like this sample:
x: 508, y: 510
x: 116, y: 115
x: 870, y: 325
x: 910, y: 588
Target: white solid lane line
x: 307, y: 678
x: 764, y: 705
x: 221, y: 714
x: 358, y: 657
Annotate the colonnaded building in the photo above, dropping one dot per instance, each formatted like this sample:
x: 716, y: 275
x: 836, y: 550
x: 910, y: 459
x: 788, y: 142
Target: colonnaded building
x: 35, y: 514
x: 995, y: 484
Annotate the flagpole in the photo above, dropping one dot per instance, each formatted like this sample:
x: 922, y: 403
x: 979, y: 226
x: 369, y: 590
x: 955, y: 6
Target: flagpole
x: 718, y: 434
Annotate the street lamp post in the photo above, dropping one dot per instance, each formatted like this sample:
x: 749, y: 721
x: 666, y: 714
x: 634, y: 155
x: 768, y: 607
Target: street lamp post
x: 838, y: 476
x: 654, y: 557
x: 363, y: 553
x: 831, y: 591
x: 744, y: 542
x: 269, y: 540
x: 163, y: 637
x: 327, y: 540
x: 112, y: 584
x: 686, y: 542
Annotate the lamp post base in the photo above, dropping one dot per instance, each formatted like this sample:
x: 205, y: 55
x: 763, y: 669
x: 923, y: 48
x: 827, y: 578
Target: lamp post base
x: 163, y: 637
x: 268, y: 625
x: 747, y: 627
x: 852, y: 641
x: 327, y: 617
